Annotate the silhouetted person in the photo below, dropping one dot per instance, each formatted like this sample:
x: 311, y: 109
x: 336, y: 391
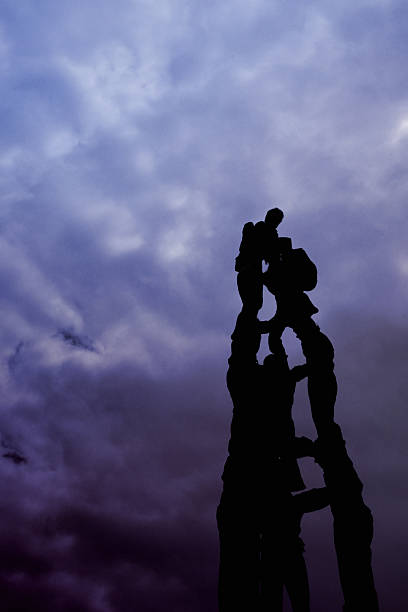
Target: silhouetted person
x: 282, y: 561
x: 290, y: 273
x: 262, y: 429
x: 261, y: 551
x: 258, y: 517
x: 262, y: 448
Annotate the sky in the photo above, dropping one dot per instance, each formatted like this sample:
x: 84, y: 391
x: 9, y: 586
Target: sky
x: 137, y: 138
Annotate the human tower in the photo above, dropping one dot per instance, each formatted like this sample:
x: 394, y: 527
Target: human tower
x: 264, y: 496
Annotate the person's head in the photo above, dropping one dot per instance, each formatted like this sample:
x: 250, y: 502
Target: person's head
x: 274, y: 217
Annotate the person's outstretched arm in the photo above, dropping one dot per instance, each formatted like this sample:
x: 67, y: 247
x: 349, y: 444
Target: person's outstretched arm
x: 312, y: 500
x: 299, y: 372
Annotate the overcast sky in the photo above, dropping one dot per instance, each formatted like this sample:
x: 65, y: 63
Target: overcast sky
x: 137, y: 138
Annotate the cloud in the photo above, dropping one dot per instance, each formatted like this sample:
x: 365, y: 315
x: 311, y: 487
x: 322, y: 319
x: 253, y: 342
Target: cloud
x: 73, y: 339
x: 126, y: 472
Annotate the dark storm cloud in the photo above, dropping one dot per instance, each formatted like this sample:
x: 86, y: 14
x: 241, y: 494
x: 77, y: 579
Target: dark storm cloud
x: 137, y: 508
x: 73, y: 339
x: 137, y: 139
x: 126, y: 466
x: 15, y: 357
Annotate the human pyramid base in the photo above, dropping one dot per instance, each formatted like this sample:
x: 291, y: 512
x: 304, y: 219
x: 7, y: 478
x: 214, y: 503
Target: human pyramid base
x: 259, y: 516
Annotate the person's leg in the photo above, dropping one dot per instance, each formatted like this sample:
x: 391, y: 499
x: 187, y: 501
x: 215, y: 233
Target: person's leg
x: 353, y: 533
x: 271, y: 580
x: 238, y: 582
x: 322, y: 383
x: 246, y: 337
x: 353, y: 522
x: 297, y: 583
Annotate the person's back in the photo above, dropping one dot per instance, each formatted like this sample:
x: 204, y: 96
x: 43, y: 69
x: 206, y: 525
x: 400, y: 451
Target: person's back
x: 262, y: 429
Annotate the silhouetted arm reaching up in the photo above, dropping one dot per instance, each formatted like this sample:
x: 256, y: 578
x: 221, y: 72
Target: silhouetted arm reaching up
x: 299, y: 372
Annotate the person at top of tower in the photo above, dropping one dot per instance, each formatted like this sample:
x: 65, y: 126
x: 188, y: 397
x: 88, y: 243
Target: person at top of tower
x: 262, y: 429
x: 289, y: 274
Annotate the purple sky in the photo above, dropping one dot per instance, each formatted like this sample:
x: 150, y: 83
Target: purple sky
x: 137, y: 138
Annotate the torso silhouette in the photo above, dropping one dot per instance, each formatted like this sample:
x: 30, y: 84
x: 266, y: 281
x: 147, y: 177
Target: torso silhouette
x: 262, y: 429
